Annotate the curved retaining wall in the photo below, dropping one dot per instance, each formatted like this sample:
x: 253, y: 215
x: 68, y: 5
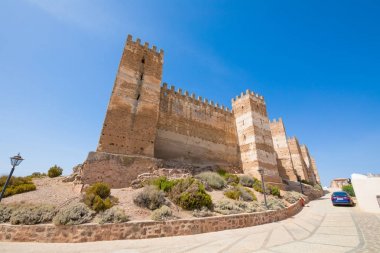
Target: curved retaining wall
x: 140, y: 230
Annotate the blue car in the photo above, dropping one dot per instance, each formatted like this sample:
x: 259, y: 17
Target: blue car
x: 341, y: 198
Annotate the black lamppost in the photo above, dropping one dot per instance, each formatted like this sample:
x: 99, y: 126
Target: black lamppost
x: 299, y: 180
x: 15, y: 161
x: 261, y: 171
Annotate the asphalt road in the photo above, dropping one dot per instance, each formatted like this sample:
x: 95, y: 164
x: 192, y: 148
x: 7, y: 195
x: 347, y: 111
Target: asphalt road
x: 320, y: 227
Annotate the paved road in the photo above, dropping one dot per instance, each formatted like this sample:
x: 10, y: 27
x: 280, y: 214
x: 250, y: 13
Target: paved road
x: 320, y: 227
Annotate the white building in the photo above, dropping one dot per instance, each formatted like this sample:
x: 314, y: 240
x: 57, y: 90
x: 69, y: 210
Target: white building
x: 367, y: 191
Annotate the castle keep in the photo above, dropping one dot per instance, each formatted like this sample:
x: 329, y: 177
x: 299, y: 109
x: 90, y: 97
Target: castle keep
x: 147, y: 123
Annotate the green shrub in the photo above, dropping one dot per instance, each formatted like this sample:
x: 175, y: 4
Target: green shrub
x: 150, y: 197
x: 240, y: 193
x: 73, y: 214
x: 101, y: 189
x: 32, y: 214
x: 17, y: 185
x: 231, y: 178
x: 190, y: 194
x: 162, y: 183
x: 221, y: 172
x: 273, y: 190
x: 246, y: 194
x: 162, y: 213
x: 257, y: 186
x: 113, y: 215
x: 55, y: 171
x: 232, y: 193
x: 246, y: 181
x: 37, y: 175
x: 5, y: 213
x: 203, y: 212
x: 98, y: 197
x: 318, y: 187
x: 349, y: 189
x: 214, y: 180
x: 292, y: 196
x: 306, y: 182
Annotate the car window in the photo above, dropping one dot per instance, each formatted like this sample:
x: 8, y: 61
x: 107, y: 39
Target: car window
x: 340, y: 194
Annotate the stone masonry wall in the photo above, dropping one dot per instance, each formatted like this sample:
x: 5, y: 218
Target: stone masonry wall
x: 195, y: 130
x: 284, y: 159
x: 307, y: 159
x: 139, y: 230
x: 315, y: 169
x: 254, y: 136
x: 298, y: 162
x: 131, y: 121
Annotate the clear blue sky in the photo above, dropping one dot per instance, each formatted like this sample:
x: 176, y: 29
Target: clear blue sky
x: 316, y: 63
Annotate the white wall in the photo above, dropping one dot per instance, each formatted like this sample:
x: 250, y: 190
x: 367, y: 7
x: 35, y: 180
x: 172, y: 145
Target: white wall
x: 366, y: 190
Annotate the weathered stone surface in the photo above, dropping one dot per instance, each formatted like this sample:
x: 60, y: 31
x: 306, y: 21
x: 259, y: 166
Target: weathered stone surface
x: 117, y: 170
x: 140, y: 230
x: 284, y: 159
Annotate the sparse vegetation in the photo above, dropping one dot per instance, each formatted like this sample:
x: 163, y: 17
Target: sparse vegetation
x: 150, y: 197
x: 162, y: 183
x: 240, y: 193
x: 98, y: 197
x: 257, y: 186
x: 5, y: 213
x: 203, y: 212
x: 32, y: 214
x: 231, y: 179
x: 17, y: 185
x: 212, y: 179
x: 292, y: 197
x: 349, y: 189
x: 273, y: 190
x: 190, y: 194
x: 55, y: 171
x: 274, y: 203
x: 246, y: 181
x: 113, y: 215
x: 230, y: 207
x: 73, y: 214
x: 163, y: 213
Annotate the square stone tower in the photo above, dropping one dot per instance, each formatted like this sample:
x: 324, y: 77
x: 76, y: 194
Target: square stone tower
x: 307, y: 159
x: 284, y: 159
x: 314, y: 167
x: 254, y: 136
x: 298, y: 162
x: 131, y: 120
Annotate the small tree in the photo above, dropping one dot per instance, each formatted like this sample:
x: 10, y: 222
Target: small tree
x: 55, y: 171
x: 349, y: 189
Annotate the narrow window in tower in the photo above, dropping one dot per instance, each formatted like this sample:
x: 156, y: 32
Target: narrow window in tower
x: 143, y: 60
x: 138, y: 97
x: 141, y: 76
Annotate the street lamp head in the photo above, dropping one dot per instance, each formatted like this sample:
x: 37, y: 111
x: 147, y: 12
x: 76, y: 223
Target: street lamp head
x: 16, y: 160
x: 261, y: 171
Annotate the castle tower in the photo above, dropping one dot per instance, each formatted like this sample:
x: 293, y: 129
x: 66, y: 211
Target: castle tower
x: 298, y: 162
x: 314, y: 167
x: 131, y: 120
x: 307, y: 160
x: 284, y: 159
x: 254, y: 137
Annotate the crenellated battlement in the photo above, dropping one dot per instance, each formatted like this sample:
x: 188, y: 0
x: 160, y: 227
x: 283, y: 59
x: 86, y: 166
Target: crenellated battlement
x: 250, y: 94
x: 279, y: 120
x: 179, y: 93
x: 146, y: 45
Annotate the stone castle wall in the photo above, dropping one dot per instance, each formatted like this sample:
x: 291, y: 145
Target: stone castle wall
x: 195, y: 130
x: 284, y: 159
x: 297, y: 158
x: 152, y: 121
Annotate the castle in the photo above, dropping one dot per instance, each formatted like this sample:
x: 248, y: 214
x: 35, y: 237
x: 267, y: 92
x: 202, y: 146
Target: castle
x: 147, y: 122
